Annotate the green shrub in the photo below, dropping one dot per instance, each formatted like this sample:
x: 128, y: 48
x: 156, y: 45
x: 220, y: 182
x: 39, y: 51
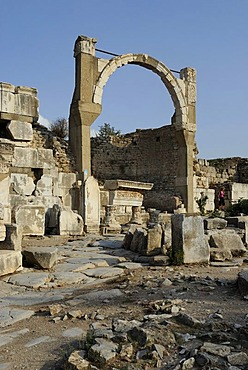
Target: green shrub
x: 240, y: 207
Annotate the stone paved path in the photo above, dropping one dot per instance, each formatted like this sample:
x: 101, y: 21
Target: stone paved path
x: 80, y: 264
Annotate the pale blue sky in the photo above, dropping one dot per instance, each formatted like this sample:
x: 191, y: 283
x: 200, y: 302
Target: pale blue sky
x: 37, y: 39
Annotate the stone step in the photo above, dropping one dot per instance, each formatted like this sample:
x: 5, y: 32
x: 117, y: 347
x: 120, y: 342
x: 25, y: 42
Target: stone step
x: 10, y: 261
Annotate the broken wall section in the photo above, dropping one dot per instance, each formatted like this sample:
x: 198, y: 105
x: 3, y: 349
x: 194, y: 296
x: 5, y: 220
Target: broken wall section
x: 37, y: 169
x: 146, y: 156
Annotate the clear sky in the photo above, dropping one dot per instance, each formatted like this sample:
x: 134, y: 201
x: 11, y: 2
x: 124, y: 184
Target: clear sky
x: 37, y: 39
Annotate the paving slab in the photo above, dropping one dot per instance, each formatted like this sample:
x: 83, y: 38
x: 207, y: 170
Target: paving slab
x: 74, y: 333
x: 99, y: 295
x: 68, y: 278
x: 30, y: 298
x: 39, y: 340
x: 6, y: 336
x: 130, y: 265
x: 30, y: 279
x: 104, y: 272
x: 9, y: 316
x: 73, y: 267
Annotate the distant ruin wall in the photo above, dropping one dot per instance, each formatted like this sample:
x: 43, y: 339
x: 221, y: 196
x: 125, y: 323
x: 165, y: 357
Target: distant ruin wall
x: 145, y: 155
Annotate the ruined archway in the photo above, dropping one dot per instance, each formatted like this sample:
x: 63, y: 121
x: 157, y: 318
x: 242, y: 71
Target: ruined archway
x: 92, y: 74
x: 145, y: 61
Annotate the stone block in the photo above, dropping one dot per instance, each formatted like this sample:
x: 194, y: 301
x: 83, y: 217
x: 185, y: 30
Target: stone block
x: 91, y: 212
x: 31, y: 218
x: 139, y: 240
x: 33, y: 158
x: 4, y: 190
x: 154, y: 241
x: 70, y: 223
x: 22, y: 184
x: 21, y: 131
x: 214, y: 223
x: 44, y: 186
x: 188, y: 241
x: 13, y: 240
x: 229, y: 240
x: 44, y: 257
x: 10, y: 261
x: 2, y: 231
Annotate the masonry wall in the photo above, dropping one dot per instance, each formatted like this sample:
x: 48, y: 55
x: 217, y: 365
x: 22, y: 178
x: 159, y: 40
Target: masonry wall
x: 145, y: 155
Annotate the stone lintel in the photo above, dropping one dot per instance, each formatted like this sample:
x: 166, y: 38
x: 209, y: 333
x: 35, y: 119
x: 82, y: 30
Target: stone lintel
x: 17, y: 117
x: 126, y: 184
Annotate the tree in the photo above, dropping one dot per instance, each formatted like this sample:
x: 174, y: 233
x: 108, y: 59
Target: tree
x: 59, y: 127
x: 106, y: 130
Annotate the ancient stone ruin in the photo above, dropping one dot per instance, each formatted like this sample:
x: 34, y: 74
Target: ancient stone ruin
x: 144, y: 183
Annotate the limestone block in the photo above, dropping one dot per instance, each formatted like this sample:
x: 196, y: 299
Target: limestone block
x: 7, y: 100
x: 44, y: 257
x: 44, y: 186
x: 4, y: 190
x: 139, y: 240
x: 2, y: 231
x: 1, y: 212
x: 154, y: 241
x: 63, y: 186
x: 10, y: 261
x: 70, y: 223
x: 188, y: 241
x: 91, y: 196
x: 214, y: 223
x: 13, y: 240
x: 22, y: 184
x: 31, y: 218
x: 229, y: 240
x: 20, y: 130
x: 33, y: 158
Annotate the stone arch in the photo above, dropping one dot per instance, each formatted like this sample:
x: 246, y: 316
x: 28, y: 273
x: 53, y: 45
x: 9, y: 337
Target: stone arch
x: 168, y: 79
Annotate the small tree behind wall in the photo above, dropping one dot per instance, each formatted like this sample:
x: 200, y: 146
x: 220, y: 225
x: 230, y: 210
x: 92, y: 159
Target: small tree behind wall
x: 106, y: 130
x: 59, y: 127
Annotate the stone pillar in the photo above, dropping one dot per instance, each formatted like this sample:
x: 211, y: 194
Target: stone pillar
x: 110, y: 224
x: 188, y: 240
x: 136, y: 215
x: 186, y: 141
x: 83, y: 111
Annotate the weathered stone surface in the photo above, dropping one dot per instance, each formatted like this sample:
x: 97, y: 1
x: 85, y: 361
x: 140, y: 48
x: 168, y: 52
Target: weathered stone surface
x: 10, y: 336
x: 188, y: 241
x: 216, y: 349
x: 20, y: 130
x: 218, y: 254
x: 13, y: 240
x: 44, y: 186
x: 39, y: 340
x: 22, y: 184
x: 91, y: 211
x: 229, y: 240
x: 9, y: 316
x: 31, y: 218
x: 103, y: 351
x: 77, y: 359
x: 238, y: 358
x: 70, y: 223
x: 44, y: 257
x: 10, y: 261
x: 30, y: 279
x: 33, y: 158
x: 74, y: 333
x: 154, y: 240
x: 20, y: 101
x: 2, y: 231
x: 214, y: 223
